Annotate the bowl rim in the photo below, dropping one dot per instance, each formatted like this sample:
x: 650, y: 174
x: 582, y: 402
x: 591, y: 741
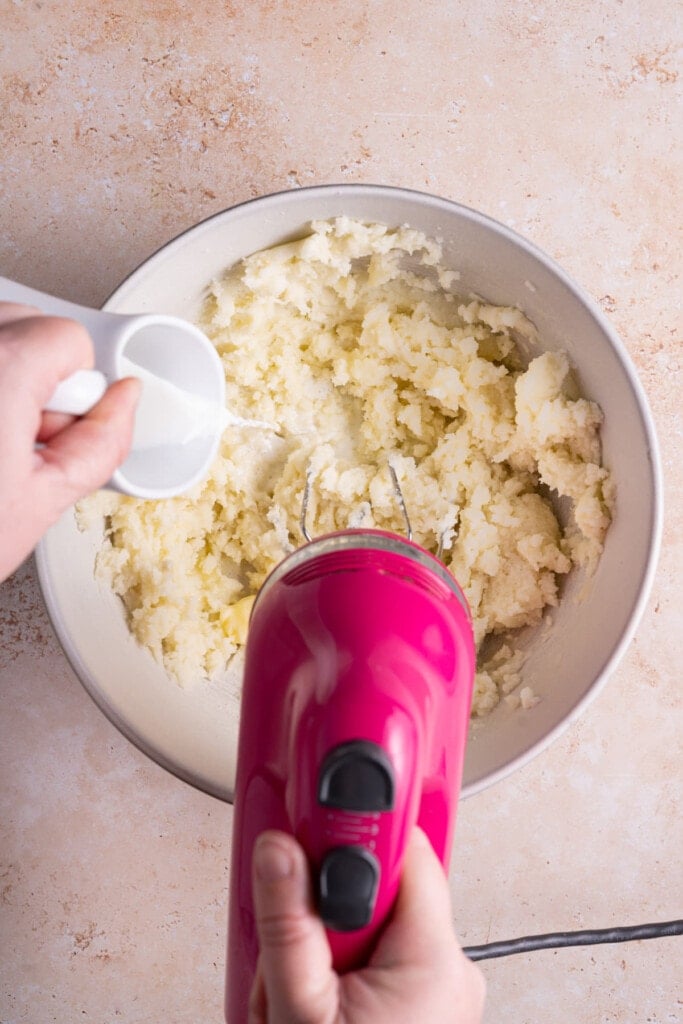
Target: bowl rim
x: 582, y: 296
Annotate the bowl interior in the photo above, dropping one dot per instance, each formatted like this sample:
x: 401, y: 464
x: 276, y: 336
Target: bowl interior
x: 193, y: 731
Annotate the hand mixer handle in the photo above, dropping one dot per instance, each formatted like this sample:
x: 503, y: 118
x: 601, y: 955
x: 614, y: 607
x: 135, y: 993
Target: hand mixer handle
x: 356, y: 783
x: 353, y: 809
x: 355, y: 705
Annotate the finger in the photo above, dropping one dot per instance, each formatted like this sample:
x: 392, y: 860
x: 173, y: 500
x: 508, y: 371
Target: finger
x: 52, y: 423
x: 258, y: 1006
x: 83, y: 457
x: 412, y: 935
x: 10, y: 311
x: 36, y: 353
x: 295, y: 956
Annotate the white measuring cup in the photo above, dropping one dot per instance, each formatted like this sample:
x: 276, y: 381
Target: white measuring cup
x: 181, y: 413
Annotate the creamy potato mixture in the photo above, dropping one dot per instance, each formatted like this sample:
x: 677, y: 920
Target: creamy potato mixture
x: 354, y: 343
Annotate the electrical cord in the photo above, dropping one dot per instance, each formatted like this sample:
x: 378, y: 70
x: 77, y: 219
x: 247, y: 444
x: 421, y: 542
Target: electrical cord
x: 557, y: 940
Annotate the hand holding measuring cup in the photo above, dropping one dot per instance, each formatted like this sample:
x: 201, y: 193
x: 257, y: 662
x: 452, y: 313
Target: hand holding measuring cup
x: 75, y: 456
x: 151, y: 438
x: 181, y: 413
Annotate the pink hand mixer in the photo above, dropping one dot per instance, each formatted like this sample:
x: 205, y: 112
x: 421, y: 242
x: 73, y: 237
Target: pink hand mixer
x: 355, y: 708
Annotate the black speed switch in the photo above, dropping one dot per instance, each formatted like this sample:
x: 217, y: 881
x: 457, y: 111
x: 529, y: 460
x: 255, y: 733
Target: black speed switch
x: 357, y: 776
x: 347, y: 886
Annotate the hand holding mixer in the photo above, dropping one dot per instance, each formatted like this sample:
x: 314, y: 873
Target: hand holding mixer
x: 356, y: 699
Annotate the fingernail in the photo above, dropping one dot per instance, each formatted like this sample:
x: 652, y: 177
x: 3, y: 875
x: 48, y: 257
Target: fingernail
x: 272, y: 860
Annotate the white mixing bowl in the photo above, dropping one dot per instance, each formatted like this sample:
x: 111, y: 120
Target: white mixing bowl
x: 193, y: 731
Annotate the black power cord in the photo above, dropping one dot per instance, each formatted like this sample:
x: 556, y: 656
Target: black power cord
x: 558, y: 940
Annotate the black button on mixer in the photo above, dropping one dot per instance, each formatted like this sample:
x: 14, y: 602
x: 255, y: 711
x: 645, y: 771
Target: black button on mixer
x: 348, y: 882
x: 357, y: 776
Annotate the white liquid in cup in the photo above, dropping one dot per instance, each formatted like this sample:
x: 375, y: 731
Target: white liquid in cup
x: 167, y: 415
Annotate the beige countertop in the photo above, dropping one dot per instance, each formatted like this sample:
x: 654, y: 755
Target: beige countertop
x: 124, y: 124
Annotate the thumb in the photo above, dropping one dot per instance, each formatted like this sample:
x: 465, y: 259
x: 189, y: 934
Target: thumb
x: 295, y: 964
x: 83, y: 456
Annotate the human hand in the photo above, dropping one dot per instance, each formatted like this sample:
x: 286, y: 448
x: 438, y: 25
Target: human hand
x: 78, y: 456
x: 418, y: 971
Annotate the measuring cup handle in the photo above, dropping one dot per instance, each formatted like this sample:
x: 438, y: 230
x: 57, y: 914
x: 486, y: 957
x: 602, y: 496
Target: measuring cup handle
x: 12, y: 291
x: 104, y: 328
x: 78, y: 393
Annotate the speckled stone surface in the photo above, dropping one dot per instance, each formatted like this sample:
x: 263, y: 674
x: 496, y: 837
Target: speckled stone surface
x: 124, y: 124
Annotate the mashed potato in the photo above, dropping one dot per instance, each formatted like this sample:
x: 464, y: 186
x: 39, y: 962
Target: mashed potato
x: 354, y: 343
